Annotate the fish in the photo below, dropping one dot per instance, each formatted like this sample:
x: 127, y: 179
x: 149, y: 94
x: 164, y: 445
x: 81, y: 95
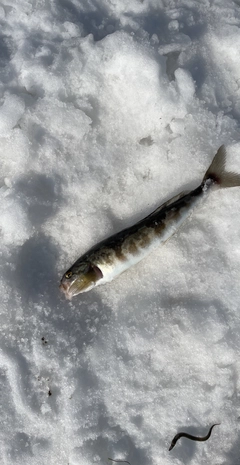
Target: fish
x: 114, y: 255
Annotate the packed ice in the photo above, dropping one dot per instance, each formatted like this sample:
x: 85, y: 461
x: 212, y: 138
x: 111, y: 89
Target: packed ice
x: 107, y: 109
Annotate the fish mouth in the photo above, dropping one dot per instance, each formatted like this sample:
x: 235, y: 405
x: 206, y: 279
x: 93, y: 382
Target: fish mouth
x: 64, y: 287
x: 74, y: 288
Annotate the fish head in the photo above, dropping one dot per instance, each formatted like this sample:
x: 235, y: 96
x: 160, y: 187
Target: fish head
x: 81, y: 277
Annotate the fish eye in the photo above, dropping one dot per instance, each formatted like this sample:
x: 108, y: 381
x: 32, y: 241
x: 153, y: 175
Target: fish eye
x: 68, y: 274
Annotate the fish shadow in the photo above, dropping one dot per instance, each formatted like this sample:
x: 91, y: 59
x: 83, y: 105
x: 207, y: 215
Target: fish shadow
x: 41, y: 195
x: 37, y: 280
x: 35, y: 273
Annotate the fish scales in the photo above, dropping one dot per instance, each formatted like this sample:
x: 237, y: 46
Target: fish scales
x: 116, y: 254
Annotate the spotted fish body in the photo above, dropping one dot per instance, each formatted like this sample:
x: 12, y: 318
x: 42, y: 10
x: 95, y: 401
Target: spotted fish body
x: 113, y: 256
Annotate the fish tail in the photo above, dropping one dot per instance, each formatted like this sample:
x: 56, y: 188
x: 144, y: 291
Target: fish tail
x: 216, y: 173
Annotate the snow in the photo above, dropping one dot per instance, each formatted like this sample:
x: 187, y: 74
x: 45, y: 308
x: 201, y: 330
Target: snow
x: 107, y: 109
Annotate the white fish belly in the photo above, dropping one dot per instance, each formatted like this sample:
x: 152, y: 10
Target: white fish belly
x: 112, y: 270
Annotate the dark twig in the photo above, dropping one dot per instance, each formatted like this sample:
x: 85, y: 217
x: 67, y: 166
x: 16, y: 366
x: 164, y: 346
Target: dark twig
x: 119, y: 461
x: 189, y: 436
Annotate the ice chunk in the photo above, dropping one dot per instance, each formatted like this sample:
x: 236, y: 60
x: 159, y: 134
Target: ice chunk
x: 185, y: 84
x: 14, y: 224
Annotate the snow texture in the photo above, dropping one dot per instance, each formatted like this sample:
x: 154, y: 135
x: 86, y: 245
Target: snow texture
x: 107, y: 109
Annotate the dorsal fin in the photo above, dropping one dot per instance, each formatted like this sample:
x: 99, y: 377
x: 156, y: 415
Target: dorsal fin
x: 165, y: 204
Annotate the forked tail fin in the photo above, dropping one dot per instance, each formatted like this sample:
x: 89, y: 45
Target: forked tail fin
x: 217, y: 174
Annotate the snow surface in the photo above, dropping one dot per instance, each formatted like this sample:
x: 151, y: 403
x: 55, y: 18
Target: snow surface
x: 107, y: 109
